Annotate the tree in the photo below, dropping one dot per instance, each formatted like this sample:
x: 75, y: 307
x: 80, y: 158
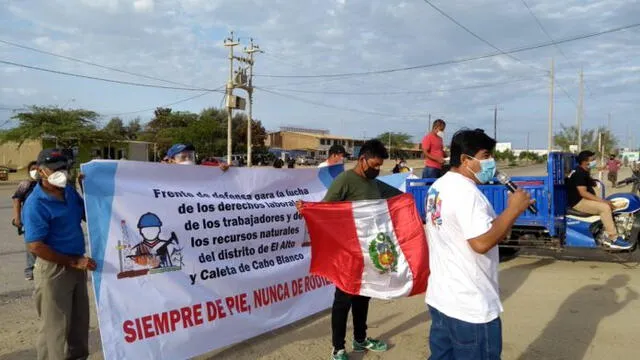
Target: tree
x: 115, y: 129
x: 67, y: 126
x: 397, y: 140
x: 133, y: 129
x: 569, y: 136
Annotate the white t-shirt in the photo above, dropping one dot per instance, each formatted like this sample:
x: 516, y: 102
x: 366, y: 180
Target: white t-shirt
x: 463, y: 283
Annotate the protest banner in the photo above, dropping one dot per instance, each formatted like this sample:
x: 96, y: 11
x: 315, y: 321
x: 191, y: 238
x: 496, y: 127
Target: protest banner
x: 191, y: 259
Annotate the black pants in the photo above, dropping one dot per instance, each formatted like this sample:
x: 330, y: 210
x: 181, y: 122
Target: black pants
x: 359, y: 306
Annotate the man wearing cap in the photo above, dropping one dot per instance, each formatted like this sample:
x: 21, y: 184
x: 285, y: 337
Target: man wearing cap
x: 337, y: 153
x: 52, y: 218
x: 185, y: 154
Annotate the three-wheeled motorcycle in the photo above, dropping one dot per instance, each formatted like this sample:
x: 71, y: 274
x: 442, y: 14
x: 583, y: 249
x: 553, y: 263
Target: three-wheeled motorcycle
x: 554, y: 226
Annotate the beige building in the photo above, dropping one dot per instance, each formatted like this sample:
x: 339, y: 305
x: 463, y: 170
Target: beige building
x: 315, y: 142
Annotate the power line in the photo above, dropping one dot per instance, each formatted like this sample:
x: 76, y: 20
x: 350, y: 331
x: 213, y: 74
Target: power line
x: 358, y: 111
x: 544, y: 30
x: 478, y: 86
x: 472, y: 33
x: 492, y: 45
x: 103, y: 79
x: 92, y: 63
x: 155, y: 107
x: 462, y: 60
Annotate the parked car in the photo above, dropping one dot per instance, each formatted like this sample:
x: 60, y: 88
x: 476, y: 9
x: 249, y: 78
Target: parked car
x: 307, y: 160
x: 211, y: 161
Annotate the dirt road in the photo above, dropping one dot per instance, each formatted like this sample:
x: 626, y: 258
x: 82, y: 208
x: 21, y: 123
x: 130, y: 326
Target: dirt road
x: 554, y: 309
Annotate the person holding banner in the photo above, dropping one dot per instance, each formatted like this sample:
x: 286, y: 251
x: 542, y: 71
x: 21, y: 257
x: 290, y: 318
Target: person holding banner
x: 359, y: 183
x: 185, y: 154
x: 52, y: 218
x: 463, y: 232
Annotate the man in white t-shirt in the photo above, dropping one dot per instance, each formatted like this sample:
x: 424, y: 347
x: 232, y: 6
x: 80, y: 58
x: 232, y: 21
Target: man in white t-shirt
x: 463, y: 232
x: 337, y: 153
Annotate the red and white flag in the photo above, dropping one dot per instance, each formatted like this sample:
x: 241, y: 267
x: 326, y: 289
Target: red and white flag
x: 375, y: 248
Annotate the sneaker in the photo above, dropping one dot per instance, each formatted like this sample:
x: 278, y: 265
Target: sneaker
x: 618, y: 244
x: 28, y: 277
x: 369, y: 344
x: 339, y: 355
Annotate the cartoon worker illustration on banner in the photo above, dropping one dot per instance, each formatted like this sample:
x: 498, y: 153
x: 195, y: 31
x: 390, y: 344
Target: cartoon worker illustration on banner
x: 150, y: 255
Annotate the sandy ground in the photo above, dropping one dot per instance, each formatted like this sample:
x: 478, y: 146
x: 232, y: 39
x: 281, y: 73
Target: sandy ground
x: 556, y: 307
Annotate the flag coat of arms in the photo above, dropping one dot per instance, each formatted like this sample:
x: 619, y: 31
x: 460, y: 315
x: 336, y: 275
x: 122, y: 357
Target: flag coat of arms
x: 375, y: 248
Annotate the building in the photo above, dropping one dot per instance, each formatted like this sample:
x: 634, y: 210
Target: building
x: 311, y: 142
x: 18, y: 157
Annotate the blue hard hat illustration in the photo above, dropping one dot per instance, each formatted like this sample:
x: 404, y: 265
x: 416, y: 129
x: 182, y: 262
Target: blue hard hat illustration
x: 149, y: 220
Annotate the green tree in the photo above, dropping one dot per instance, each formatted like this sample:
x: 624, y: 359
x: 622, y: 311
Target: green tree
x: 569, y: 136
x: 133, y: 129
x: 67, y: 126
x: 398, y: 140
x: 115, y: 129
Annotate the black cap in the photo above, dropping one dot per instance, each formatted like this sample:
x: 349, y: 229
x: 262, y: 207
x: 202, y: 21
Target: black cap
x: 53, y: 159
x: 337, y: 150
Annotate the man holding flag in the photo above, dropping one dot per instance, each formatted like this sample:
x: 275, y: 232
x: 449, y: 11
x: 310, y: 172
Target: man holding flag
x: 463, y: 232
x: 359, y: 183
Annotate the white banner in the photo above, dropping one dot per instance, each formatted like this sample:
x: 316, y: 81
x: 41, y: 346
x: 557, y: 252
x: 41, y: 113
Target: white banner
x: 191, y: 259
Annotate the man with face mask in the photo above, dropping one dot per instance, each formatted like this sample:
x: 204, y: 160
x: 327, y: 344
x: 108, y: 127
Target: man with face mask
x: 357, y: 184
x: 582, y: 197
x: 19, y: 197
x: 463, y: 231
x: 52, y: 217
x: 185, y: 154
x: 433, y: 149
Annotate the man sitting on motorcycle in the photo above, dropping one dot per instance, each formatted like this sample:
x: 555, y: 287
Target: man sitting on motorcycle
x: 582, y: 197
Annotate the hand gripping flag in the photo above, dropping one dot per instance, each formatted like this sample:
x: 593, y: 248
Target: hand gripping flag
x: 375, y: 248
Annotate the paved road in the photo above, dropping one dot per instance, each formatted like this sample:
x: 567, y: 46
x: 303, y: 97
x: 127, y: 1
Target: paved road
x: 555, y: 309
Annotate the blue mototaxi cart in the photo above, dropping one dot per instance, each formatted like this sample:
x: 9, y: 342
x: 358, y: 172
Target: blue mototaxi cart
x: 554, y: 226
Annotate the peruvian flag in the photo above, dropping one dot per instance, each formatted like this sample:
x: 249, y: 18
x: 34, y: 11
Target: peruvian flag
x: 375, y: 248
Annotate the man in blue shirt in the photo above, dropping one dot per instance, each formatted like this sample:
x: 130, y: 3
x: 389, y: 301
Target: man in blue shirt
x: 52, y: 218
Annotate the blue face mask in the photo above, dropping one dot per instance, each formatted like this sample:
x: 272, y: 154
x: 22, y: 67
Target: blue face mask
x: 487, y: 170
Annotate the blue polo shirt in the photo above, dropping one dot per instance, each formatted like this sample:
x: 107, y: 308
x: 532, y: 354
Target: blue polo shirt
x: 55, y: 222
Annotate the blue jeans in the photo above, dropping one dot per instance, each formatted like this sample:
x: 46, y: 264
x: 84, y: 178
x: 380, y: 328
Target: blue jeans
x: 453, y: 339
x: 431, y: 173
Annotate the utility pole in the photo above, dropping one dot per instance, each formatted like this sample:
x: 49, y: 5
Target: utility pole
x: 528, y: 141
x: 551, y: 100
x: 495, y: 123
x: 230, y: 42
x: 580, y: 112
x: 430, y: 125
x: 251, y: 50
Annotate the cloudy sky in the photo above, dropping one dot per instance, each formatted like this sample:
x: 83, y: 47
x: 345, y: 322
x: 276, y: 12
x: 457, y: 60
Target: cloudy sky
x: 181, y: 41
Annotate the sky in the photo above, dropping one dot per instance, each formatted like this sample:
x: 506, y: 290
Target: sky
x: 181, y: 42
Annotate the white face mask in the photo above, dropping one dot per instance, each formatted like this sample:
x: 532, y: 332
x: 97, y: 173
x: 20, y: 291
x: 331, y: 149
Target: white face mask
x: 150, y: 233
x: 440, y: 134
x: 58, y: 178
x: 33, y: 174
